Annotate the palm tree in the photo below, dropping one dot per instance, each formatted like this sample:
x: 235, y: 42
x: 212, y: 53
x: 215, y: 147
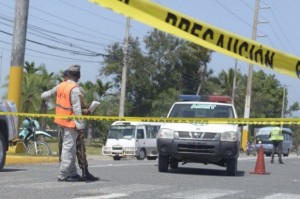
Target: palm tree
x: 30, y: 94
x: 46, y: 82
x: 225, y: 81
x: 101, y: 89
x: 30, y: 68
x: 94, y: 92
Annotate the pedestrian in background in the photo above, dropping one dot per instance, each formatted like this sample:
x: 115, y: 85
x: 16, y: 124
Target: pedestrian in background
x: 276, y: 137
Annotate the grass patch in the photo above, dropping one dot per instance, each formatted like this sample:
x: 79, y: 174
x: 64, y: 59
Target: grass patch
x: 94, y: 149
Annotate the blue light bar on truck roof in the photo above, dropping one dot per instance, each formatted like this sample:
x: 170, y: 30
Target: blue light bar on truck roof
x: 205, y: 98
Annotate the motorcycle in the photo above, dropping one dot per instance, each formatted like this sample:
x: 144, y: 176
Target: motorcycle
x: 250, y: 148
x: 30, y: 135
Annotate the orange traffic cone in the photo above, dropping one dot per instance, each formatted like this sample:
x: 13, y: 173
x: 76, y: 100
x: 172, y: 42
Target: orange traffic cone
x: 260, y: 163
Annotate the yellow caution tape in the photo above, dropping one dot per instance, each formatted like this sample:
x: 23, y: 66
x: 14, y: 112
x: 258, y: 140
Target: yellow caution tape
x: 240, y: 121
x: 205, y: 35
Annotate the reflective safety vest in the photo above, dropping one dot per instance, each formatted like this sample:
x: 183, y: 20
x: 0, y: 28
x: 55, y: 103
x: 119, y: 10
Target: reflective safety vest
x: 276, y: 134
x: 63, y: 103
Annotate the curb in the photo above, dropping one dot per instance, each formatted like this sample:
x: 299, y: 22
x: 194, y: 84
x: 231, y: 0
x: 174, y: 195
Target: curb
x: 18, y: 159
x: 14, y: 159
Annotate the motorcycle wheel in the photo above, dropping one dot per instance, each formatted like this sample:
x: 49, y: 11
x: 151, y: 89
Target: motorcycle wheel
x: 42, y: 149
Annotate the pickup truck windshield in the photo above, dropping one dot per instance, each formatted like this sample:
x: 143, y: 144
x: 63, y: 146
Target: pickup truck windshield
x: 198, y: 110
x: 121, y: 132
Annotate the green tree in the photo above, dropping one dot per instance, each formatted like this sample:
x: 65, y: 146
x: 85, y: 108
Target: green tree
x: 90, y: 93
x: 166, y: 63
x: 223, y: 85
x: 45, y: 81
x: 30, y: 68
x: 267, y: 95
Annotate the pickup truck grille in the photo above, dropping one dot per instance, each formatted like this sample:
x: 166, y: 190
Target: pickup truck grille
x: 197, y: 135
x: 116, y: 148
x: 195, y: 148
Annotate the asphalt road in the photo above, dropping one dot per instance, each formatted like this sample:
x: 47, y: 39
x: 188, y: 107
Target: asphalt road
x: 130, y: 178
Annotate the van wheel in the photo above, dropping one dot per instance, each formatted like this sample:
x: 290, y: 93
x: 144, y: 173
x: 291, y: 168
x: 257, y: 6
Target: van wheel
x: 142, y: 155
x: 163, y: 163
x: 231, y: 167
x: 2, y: 151
x: 287, y: 154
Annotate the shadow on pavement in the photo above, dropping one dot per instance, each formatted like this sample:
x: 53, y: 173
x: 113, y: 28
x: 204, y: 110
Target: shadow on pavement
x: 201, y: 171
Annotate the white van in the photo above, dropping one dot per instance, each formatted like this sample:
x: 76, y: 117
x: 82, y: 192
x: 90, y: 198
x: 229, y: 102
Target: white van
x: 262, y: 138
x: 132, y: 139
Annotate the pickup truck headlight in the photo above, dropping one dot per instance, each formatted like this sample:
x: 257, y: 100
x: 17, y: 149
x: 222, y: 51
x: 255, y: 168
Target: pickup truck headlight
x: 229, y: 136
x: 165, y: 134
x: 105, y: 148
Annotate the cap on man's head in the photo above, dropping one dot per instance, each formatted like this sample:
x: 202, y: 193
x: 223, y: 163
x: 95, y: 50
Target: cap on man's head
x: 74, y: 68
x: 65, y: 73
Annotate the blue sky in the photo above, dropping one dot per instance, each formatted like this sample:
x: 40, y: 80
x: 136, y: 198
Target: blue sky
x: 65, y: 29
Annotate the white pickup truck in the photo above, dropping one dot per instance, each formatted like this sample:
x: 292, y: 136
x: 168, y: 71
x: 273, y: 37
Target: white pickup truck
x: 199, y: 143
x: 8, y: 128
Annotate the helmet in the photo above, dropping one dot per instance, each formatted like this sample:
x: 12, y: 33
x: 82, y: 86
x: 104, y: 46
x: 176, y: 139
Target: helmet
x: 26, y: 123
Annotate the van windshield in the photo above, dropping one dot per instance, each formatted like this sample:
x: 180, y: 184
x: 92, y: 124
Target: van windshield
x: 121, y: 132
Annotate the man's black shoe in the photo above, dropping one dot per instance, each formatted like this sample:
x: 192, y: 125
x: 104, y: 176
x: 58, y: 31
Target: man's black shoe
x: 281, y: 162
x: 76, y: 178
x: 90, y: 178
x: 87, y: 177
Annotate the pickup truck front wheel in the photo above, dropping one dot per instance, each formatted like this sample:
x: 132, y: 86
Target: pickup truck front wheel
x: 231, y: 167
x: 2, y: 151
x: 163, y: 163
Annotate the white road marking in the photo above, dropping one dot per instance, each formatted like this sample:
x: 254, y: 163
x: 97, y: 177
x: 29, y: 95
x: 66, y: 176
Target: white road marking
x: 201, y: 194
x: 125, y: 189
x: 121, y: 165
x: 108, y: 196
x: 282, y: 195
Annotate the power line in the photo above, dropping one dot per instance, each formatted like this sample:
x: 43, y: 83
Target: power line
x: 89, y: 12
x: 281, y: 30
x: 61, y: 49
x: 44, y: 33
x: 54, y: 55
x: 99, y: 16
x: 70, y: 22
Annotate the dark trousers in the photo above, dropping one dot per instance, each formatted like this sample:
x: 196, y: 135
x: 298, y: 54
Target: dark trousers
x: 277, y: 146
x: 80, y: 148
x: 80, y: 152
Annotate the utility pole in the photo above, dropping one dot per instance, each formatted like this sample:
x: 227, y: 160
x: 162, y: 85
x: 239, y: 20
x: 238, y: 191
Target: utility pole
x: 249, y: 80
x: 250, y: 72
x: 234, y: 82
x: 124, y: 70
x: 1, y: 65
x: 18, y: 51
x: 283, y: 104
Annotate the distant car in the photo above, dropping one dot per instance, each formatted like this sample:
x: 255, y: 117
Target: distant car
x: 262, y: 138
